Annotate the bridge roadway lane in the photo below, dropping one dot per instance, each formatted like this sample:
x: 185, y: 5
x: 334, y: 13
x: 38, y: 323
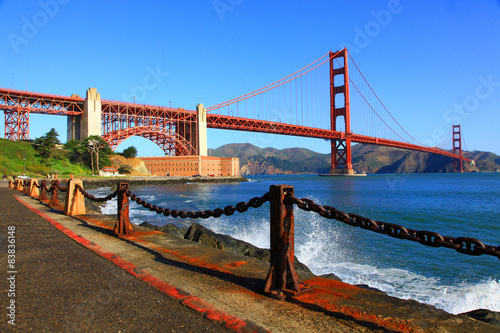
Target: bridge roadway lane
x: 61, y: 286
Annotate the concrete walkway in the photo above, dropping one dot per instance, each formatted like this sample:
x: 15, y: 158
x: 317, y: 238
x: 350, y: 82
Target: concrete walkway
x: 63, y: 286
x: 60, y: 286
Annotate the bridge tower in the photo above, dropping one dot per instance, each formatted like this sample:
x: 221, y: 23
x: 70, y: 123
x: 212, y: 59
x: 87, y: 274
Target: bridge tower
x: 341, y: 162
x: 90, y: 122
x: 457, y: 149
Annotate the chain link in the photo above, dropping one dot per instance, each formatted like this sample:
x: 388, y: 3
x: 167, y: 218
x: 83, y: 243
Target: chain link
x: 241, y: 207
x: 465, y: 245
x: 49, y: 190
x: 94, y: 198
x: 61, y: 188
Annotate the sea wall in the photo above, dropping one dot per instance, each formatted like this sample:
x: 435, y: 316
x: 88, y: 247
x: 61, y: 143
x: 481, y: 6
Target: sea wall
x: 90, y: 184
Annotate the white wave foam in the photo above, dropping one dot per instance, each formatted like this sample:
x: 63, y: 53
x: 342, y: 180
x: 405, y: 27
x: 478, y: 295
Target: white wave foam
x: 110, y: 207
x: 323, y: 251
x: 470, y: 296
x: 255, y: 232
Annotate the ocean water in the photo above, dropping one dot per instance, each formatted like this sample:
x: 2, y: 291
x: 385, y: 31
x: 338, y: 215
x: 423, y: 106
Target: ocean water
x: 453, y: 205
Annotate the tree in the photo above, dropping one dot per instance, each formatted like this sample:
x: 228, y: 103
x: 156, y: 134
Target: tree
x: 96, y: 146
x: 93, y: 151
x: 76, y: 151
x: 46, y: 145
x: 130, y: 152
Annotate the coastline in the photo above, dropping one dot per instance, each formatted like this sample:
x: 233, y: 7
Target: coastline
x: 94, y: 183
x: 239, y: 279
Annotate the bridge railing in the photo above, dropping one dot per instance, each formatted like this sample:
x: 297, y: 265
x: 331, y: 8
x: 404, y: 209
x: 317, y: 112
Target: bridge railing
x: 282, y: 279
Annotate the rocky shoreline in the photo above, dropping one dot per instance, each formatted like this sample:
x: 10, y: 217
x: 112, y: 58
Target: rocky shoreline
x: 200, y: 234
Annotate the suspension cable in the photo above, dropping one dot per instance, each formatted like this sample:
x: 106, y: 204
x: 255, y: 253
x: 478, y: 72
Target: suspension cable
x: 272, y: 85
x: 381, y: 101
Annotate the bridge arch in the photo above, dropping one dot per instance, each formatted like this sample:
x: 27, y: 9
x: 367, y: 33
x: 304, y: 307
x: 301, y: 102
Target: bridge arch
x: 169, y: 141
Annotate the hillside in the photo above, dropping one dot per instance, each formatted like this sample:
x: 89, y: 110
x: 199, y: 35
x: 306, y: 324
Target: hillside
x: 135, y: 165
x: 365, y: 158
x: 271, y: 161
x: 12, y: 163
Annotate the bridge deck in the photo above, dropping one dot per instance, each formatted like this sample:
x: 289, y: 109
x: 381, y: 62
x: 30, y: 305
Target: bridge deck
x: 158, y: 116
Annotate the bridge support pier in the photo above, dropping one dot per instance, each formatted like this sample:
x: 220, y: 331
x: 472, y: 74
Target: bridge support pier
x: 201, y: 127
x: 73, y: 127
x: 17, y: 124
x: 89, y: 123
x: 341, y: 156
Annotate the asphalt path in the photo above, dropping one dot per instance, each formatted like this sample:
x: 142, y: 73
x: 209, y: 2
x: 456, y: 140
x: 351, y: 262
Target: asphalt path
x: 58, y: 285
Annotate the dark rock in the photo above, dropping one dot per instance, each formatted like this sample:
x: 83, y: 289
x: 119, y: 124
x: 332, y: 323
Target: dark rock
x: 331, y: 276
x: 200, y: 234
x: 367, y: 287
x: 174, y: 230
x: 92, y: 206
x: 149, y: 225
x: 487, y: 316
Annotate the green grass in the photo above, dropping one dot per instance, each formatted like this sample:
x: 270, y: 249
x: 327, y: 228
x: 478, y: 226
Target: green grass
x: 12, y: 163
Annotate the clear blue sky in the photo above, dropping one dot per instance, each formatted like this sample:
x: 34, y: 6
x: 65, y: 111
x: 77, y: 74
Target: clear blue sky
x: 433, y: 63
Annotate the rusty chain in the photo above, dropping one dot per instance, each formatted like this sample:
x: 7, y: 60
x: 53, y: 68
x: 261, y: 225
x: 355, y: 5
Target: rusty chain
x: 465, y: 245
x: 241, y: 207
x: 94, y: 198
x: 48, y: 190
x: 61, y: 188
x: 26, y: 186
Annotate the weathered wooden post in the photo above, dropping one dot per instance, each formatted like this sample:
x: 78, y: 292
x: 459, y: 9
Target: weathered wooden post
x: 54, y: 201
x: 33, y: 188
x: 43, y: 194
x: 282, y: 279
x: 75, y: 202
x: 123, y: 225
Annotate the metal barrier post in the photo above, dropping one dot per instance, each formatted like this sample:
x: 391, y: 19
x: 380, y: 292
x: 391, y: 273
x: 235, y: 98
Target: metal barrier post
x: 282, y: 279
x: 75, y: 202
x: 54, y: 201
x: 43, y: 194
x: 123, y: 225
x: 26, y: 187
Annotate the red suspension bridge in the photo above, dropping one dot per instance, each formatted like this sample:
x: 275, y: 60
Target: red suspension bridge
x: 315, y: 101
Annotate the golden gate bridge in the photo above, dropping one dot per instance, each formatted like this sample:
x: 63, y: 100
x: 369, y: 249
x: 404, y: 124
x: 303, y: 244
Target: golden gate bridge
x: 315, y: 102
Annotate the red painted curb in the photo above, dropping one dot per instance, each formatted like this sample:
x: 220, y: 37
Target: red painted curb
x: 193, y: 302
